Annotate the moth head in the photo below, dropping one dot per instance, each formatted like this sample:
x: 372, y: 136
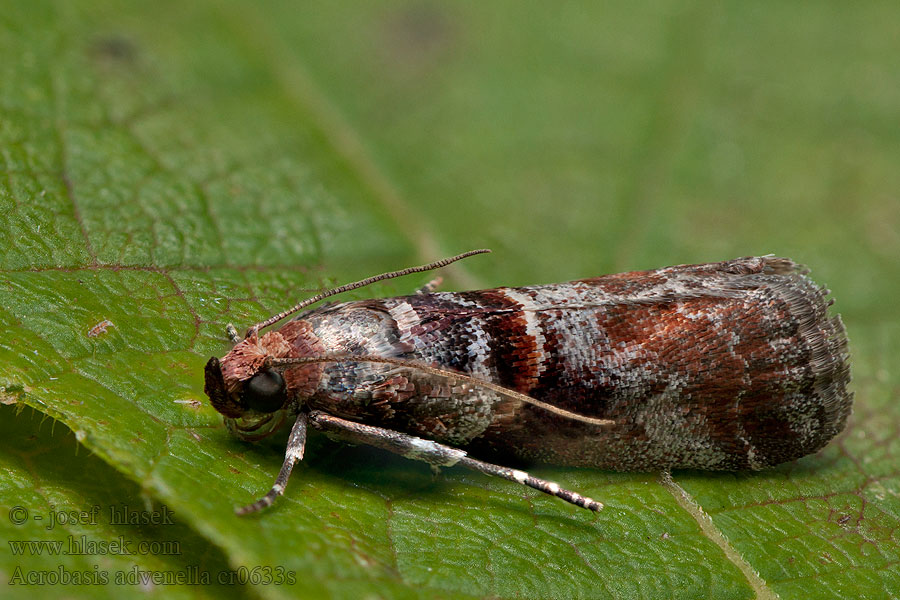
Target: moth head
x: 254, y: 397
x: 254, y: 408
x: 264, y: 392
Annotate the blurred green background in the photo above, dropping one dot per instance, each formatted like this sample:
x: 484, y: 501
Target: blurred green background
x: 173, y: 167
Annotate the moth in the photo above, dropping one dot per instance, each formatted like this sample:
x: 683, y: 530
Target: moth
x: 732, y: 365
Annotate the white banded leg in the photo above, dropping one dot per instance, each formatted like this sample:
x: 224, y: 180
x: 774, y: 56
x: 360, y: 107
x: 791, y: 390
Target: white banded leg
x: 548, y: 487
x: 293, y: 454
x: 232, y: 333
x: 438, y: 455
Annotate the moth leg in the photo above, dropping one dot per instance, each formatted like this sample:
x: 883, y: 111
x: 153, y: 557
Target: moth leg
x: 293, y: 454
x: 438, y: 455
x: 232, y: 333
x: 430, y: 286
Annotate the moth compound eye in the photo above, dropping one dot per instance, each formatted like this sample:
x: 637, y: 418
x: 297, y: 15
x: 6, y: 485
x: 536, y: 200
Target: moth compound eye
x: 264, y: 392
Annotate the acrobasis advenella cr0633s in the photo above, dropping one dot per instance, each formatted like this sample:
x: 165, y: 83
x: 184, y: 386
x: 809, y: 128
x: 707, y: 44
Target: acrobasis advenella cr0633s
x: 733, y: 365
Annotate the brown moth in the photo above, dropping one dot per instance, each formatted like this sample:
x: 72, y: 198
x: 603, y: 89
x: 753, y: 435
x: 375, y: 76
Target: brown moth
x: 732, y: 365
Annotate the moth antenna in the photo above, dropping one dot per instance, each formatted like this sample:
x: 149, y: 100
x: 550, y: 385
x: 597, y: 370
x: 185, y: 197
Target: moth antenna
x: 362, y: 283
x: 410, y: 364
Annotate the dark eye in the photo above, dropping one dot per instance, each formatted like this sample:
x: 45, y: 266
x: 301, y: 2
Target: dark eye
x: 264, y: 392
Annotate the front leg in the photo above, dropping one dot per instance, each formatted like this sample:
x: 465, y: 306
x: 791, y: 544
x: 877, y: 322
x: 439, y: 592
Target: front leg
x: 232, y: 333
x: 293, y: 454
x: 437, y: 455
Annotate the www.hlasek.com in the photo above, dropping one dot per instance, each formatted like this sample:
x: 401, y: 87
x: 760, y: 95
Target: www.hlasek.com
x: 82, y: 546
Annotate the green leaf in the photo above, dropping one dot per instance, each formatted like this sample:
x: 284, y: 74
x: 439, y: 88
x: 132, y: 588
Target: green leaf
x: 170, y: 168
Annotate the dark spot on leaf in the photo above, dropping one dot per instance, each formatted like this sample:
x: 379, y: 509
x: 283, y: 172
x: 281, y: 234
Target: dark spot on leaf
x: 114, y: 48
x: 418, y: 36
x: 233, y: 470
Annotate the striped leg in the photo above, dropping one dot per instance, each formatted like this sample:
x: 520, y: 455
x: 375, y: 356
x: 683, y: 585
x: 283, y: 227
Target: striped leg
x: 232, y: 333
x: 293, y: 454
x: 548, y: 487
x: 437, y: 455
